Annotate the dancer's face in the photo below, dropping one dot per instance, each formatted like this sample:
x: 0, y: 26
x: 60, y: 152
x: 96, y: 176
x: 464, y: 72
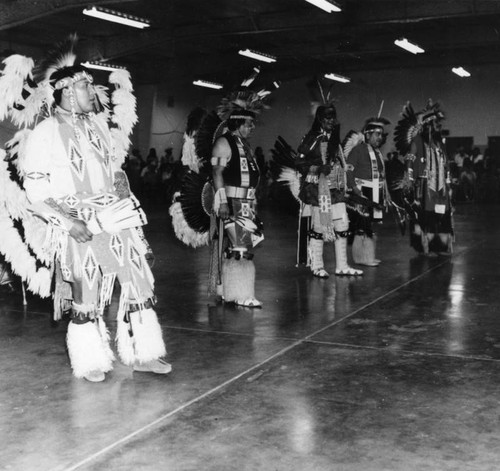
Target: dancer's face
x: 84, y: 94
x: 328, y: 122
x: 376, y: 138
x: 246, y: 128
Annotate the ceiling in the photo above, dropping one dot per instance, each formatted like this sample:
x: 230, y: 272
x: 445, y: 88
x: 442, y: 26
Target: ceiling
x: 192, y: 39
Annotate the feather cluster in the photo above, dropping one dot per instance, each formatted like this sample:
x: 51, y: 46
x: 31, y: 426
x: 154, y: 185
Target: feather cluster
x: 13, y: 207
x: 351, y: 140
x: 16, y: 89
x: 124, y: 112
x: 183, y: 231
x: 407, y: 129
x: 247, y: 100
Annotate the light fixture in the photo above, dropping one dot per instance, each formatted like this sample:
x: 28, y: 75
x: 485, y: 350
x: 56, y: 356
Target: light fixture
x: 204, y: 83
x: 248, y: 81
x: 325, y: 5
x: 338, y: 78
x: 267, y: 91
x: 460, y: 71
x: 116, y: 17
x: 257, y: 55
x: 407, y: 45
x: 102, y: 66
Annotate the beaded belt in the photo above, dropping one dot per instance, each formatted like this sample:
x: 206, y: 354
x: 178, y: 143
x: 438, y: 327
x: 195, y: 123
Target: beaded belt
x: 238, y: 192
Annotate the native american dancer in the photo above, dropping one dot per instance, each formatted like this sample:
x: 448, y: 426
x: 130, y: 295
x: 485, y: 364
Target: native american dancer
x: 217, y: 204
x: 366, y: 177
x: 235, y: 177
x: 71, y: 165
x: 426, y: 184
x: 322, y: 166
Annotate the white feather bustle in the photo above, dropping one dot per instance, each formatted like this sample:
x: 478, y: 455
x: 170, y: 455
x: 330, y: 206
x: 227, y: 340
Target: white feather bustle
x: 353, y: 140
x: 88, y: 349
x: 124, y: 112
x: 292, y: 179
x: 238, y: 279
x: 17, y: 69
x: 182, y: 230
x: 146, y: 342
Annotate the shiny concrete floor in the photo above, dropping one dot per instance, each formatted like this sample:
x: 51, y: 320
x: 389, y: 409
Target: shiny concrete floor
x: 397, y: 370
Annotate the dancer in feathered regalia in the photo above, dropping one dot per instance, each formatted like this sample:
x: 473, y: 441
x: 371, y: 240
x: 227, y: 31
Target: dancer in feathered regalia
x: 217, y: 203
x: 322, y: 166
x: 427, y: 182
x: 366, y: 177
x: 235, y: 177
x: 71, y: 167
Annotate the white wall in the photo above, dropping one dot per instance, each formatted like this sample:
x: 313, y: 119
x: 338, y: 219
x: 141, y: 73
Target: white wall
x: 470, y: 105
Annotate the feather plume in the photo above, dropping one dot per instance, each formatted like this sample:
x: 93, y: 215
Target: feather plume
x: 194, y: 207
x: 14, y: 75
x: 407, y: 128
x: 182, y: 230
x: 283, y: 154
x: 292, y: 179
x: 241, y: 100
x: 124, y: 112
x: 210, y: 128
x: 13, y: 206
x: 62, y: 55
x: 351, y: 140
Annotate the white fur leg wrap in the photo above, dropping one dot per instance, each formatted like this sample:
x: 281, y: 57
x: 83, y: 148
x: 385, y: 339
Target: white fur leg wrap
x: 146, y: 342
x: 88, y: 349
x: 341, y: 253
x: 238, y: 279
x: 363, y: 249
x: 316, y: 254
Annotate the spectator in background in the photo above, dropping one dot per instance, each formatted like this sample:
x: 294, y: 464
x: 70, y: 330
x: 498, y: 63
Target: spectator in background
x: 459, y: 159
x: 152, y: 157
x: 477, y: 161
x: 133, y: 167
x: 149, y: 179
x: 261, y: 193
x: 467, y: 180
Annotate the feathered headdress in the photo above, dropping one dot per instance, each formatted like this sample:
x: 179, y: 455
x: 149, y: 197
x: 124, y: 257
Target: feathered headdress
x: 412, y: 124
x: 377, y: 122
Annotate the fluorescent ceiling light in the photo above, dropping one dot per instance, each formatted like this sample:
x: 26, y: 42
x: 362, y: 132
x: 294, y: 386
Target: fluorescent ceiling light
x: 248, y: 81
x: 338, y: 78
x: 325, y: 5
x: 460, y: 71
x: 102, y: 66
x: 257, y: 55
x: 267, y: 91
x: 116, y: 17
x: 204, y: 83
x: 410, y: 47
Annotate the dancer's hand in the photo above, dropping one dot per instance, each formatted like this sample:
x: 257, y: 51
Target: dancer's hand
x: 80, y: 232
